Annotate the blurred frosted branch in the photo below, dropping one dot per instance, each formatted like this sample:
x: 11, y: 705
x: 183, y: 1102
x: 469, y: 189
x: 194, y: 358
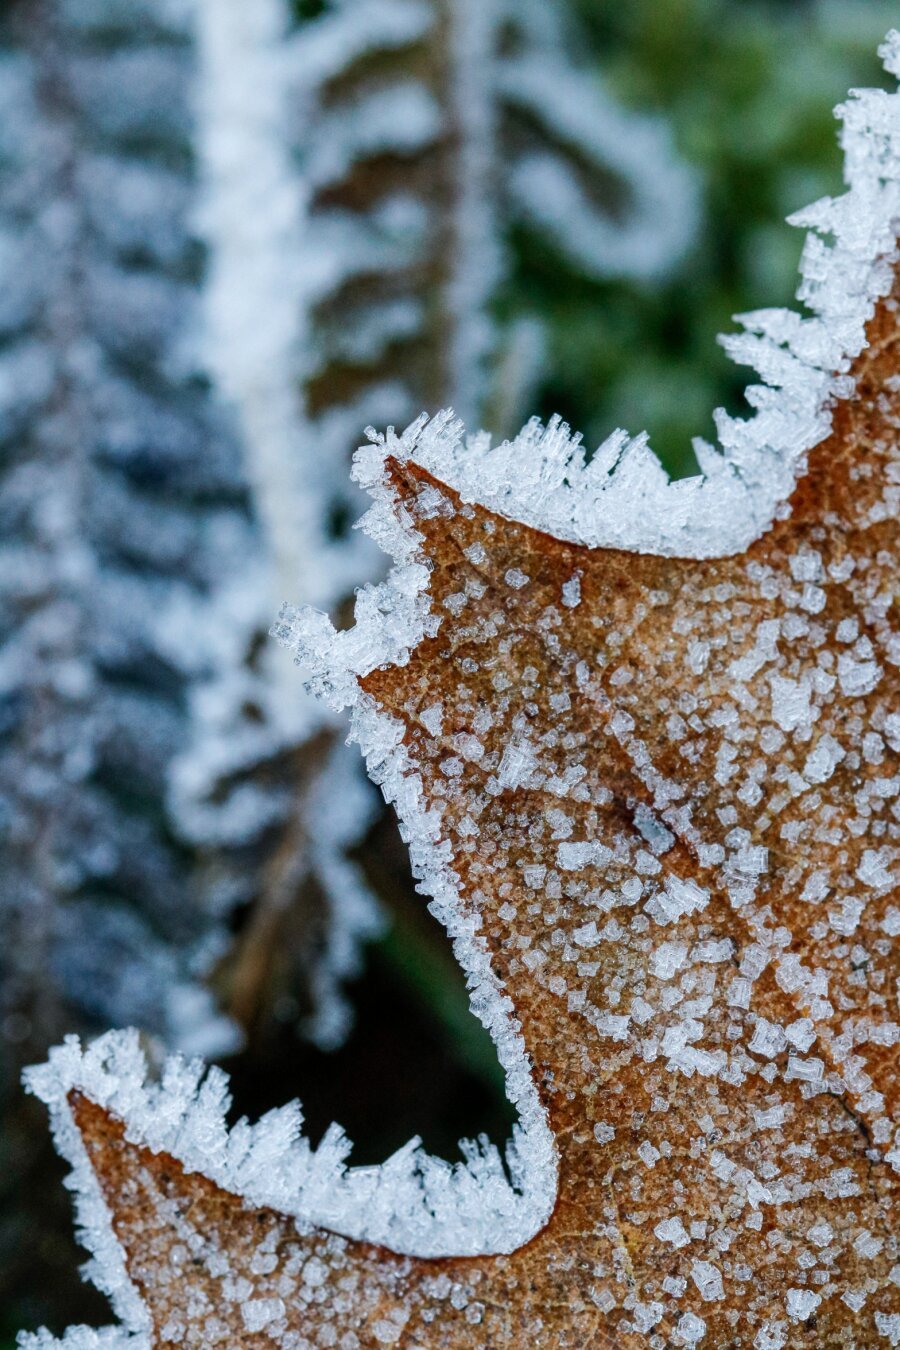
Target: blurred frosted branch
x: 118, y: 483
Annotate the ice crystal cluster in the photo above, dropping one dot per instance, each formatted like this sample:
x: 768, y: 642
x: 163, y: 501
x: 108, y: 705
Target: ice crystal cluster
x: 652, y: 794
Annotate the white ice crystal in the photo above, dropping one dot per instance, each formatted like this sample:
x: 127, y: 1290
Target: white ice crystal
x: 673, y: 1231
x: 690, y: 1330
x: 801, y: 1303
x: 889, y: 1326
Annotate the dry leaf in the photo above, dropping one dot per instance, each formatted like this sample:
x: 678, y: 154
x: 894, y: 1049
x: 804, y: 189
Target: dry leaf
x: 652, y: 789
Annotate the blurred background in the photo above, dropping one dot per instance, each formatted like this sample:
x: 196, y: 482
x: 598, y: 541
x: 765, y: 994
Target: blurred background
x: 233, y: 233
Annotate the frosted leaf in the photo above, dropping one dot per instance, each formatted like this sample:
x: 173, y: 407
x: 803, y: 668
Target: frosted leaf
x: 696, y: 1092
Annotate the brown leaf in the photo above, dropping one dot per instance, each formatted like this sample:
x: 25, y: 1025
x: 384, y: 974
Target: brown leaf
x: 664, y: 792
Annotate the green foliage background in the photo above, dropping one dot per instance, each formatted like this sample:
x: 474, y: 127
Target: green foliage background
x: 748, y: 87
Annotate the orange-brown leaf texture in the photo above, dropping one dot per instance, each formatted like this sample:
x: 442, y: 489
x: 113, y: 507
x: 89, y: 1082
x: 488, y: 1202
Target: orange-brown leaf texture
x: 750, y: 1207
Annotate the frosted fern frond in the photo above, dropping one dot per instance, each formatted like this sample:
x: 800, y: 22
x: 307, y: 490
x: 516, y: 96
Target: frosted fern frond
x: 112, y: 456
x: 246, y: 791
x: 603, y: 184
x: 432, y: 173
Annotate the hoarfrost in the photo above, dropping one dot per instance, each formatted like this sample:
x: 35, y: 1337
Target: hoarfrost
x: 801, y: 1304
x: 707, y: 1072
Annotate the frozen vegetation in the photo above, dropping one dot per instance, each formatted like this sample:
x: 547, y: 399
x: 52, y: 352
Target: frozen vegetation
x: 649, y: 914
